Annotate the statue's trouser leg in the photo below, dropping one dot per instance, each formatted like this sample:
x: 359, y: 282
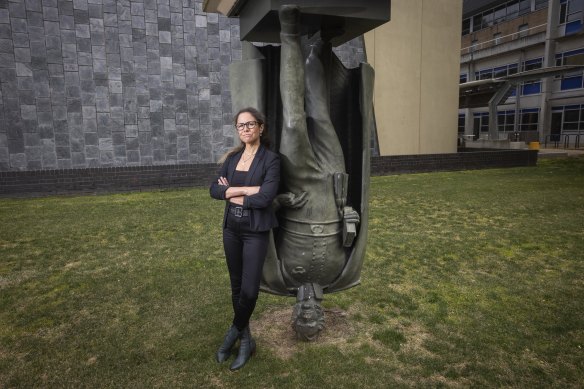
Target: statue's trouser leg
x: 299, y: 160
x: 245, y: 252
x: 323, y: 137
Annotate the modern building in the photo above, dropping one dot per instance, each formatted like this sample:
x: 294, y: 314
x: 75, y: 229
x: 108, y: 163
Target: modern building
x: 536, y: 44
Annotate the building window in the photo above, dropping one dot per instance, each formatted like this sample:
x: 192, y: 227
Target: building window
x: 474, y: 44
x: 570, y: 119
x: 522, y: 30
x: 461, y: 121
x: 573, y: 57
x: 572, y: 80
x: 481, y: 121
x: 506, y: 11
x: 529, y: 119
x: 486, y: 74
x: 506, y: 121
x: 571, y: 12
x: 539, y: 4
x: 536, y: 63
x: 498, y: 72
x: 463, y: 78
x: 531, y: 88
x: 573, y: 27
x: 497, y: 38
x: 466, y: 26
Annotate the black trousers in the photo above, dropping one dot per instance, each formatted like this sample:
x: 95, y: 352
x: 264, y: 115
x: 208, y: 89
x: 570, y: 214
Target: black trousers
x: 245, y: 252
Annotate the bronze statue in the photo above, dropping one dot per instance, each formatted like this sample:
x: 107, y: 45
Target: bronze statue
x: 319, y: 246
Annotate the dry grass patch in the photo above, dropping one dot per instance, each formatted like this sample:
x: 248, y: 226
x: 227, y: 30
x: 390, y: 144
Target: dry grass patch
x: 273, y: 331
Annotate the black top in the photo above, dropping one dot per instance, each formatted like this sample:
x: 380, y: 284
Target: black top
x: 238, y: 178
x: 263, y: 172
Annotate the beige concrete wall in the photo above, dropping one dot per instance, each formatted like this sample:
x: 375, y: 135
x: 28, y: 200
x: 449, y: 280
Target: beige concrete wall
x: 416, y: 57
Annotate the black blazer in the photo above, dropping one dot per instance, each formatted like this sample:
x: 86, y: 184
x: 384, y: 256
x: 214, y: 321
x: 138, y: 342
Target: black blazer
x: 263, y: 172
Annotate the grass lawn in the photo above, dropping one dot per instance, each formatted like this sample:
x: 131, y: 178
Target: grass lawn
x: 471, y: 278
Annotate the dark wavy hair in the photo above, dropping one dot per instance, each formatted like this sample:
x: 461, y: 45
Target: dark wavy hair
x: 264, y: 138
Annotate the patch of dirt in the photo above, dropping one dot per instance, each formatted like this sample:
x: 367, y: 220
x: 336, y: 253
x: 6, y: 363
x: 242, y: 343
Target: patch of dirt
x: 273, y: 330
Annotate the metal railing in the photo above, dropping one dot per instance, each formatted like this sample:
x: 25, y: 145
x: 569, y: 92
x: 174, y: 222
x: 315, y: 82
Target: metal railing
x: 564, y: 139
x: 504, y: 39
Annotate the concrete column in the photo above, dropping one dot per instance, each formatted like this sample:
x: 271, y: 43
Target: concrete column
x: 549, y: 60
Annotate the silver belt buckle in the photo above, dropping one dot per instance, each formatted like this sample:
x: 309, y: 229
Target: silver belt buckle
x: 238, y: 211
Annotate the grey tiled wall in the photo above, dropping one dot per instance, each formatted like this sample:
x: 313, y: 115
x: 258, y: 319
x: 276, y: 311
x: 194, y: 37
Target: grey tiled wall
x: 101, y: 83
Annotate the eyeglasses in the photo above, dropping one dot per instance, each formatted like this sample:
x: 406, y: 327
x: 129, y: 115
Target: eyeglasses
x: 250, y: 125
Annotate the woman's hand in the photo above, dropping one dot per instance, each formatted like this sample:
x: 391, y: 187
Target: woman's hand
x: 251, y: 190
x: 223, y: 181
x: 237, y: 200
x: 235, y: 191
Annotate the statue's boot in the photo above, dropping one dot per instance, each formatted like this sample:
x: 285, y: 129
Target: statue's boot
x: 289, y: 19
x: 225, y: 349
x: 247, y: 348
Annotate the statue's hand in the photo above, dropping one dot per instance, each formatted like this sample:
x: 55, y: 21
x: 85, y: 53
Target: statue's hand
x: 290, y: 200
x: 351, y: 220
x: 351, y: 216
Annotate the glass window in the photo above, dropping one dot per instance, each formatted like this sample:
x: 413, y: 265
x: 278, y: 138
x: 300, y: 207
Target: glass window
x: 463, y: 78
x: 505, y: 120
x: 529, y: 119
x: 573, y: 27
x: 512, y: 9
x: 461, y: 120
x: 533, y: 64
x: 531, y: 88
x: 524, y: 7
x: 500, y: 13
x: 572, y: 115
x: 539, y: 4
x: 488, y: 19
x: 570, y: 118
x: 485, y: 123
x: 477, y: 22
x: 466, y: 26
x: 486, y: 74
x: 563, y: 13
x: 510, y: 122
x: 570, y: 126
x: 574, y: 82
x: 576, y: 59
x: 500, y: 72
x: 575, y: 6
x: 497, y: 37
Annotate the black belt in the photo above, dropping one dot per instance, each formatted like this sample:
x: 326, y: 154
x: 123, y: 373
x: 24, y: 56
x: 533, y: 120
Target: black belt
x: 238, y: 211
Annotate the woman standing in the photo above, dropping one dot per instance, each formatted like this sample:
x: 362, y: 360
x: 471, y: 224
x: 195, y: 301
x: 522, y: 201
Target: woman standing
x: 248, y: 182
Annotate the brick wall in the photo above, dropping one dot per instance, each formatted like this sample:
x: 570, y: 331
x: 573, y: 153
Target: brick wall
x: 464, y: 160
x: 117, y: 179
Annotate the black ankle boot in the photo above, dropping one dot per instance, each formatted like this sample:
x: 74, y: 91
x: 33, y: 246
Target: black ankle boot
x: 246, y: 349
x: 225, y: 349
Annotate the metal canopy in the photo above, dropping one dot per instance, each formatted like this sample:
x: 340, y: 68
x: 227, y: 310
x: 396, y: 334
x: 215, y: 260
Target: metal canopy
x: 475, y: 94
x: 258, y: 19
x: 492, y: 92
